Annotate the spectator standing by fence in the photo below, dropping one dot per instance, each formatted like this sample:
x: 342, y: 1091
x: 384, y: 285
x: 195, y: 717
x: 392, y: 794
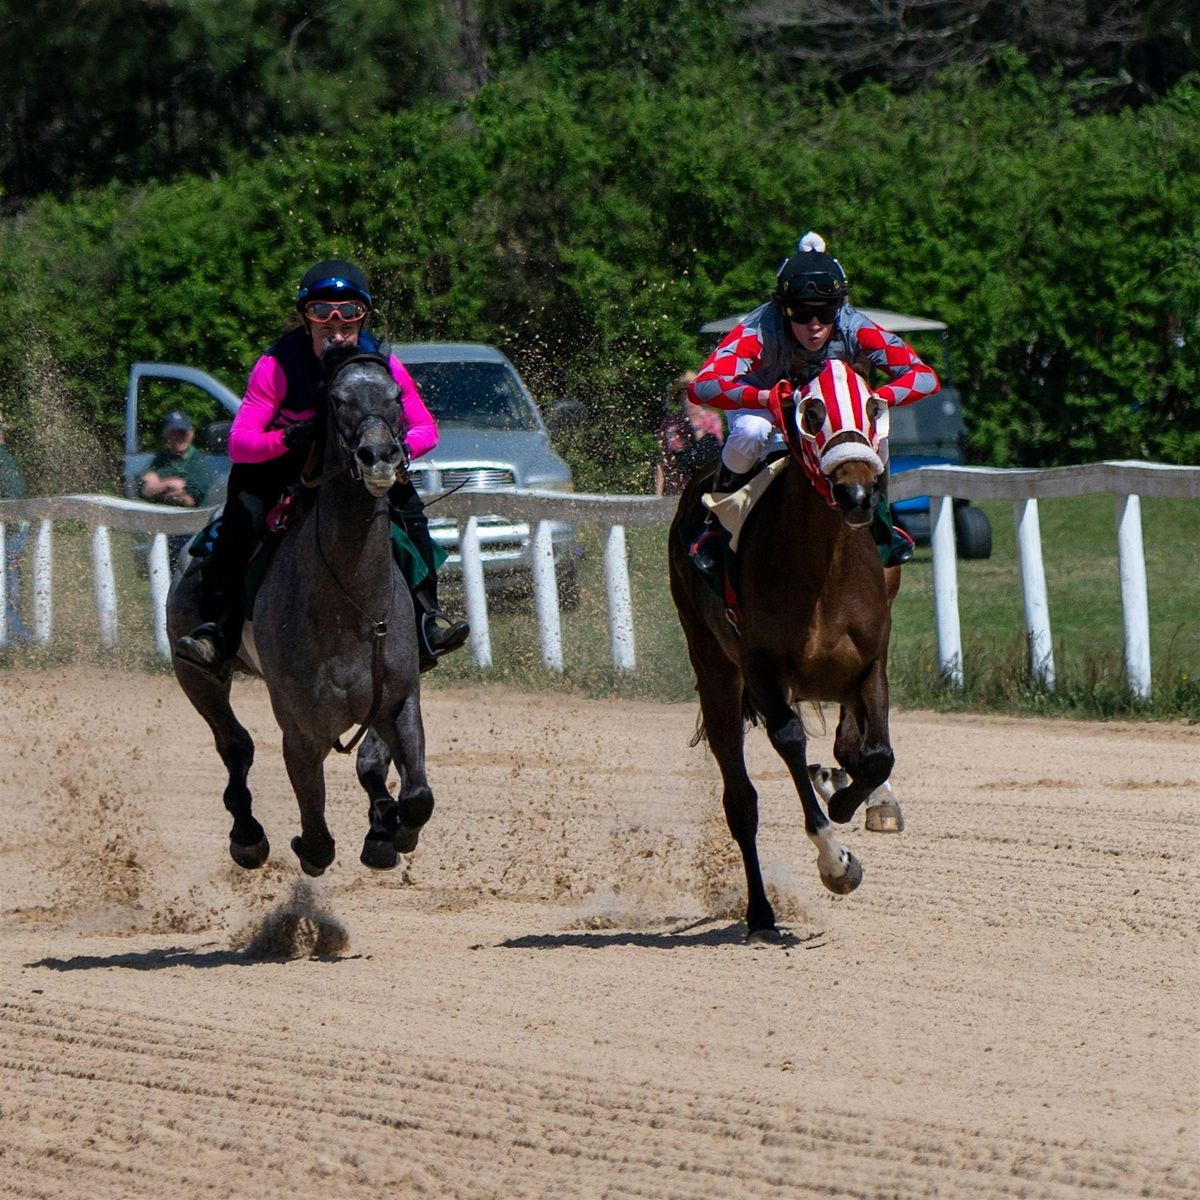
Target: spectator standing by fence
x: 689, y: 437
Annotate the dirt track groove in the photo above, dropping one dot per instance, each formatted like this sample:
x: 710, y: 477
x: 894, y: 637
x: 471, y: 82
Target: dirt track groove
x: 553, y: 998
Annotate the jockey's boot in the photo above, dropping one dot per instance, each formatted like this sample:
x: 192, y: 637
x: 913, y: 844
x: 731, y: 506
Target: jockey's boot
x: 894, y: 545
x: 438, y: 632
x: 705, y: 551
x: 214, y: 642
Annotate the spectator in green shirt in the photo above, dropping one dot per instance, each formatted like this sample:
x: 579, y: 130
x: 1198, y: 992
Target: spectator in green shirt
x: 179, y: 475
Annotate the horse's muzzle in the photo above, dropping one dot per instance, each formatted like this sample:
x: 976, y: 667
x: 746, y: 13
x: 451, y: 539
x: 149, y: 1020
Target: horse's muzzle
x: 377, y: 464
x: 857, y: 502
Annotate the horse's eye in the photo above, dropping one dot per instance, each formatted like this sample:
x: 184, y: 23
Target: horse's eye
x: 814, y: 416
x: 874, y: 407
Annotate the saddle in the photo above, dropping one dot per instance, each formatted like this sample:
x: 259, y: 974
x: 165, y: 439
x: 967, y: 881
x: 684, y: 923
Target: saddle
x: 201, y: 546
x: 279, y: 520
x: 731, y: 509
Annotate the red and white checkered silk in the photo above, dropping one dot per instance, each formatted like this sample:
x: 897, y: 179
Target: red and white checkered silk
x: 845, y: 395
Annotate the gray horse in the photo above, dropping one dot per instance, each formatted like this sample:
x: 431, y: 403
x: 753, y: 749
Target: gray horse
x: 333, y: 635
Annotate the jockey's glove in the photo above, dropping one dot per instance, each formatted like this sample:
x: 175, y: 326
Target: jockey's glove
x: 300, y: 435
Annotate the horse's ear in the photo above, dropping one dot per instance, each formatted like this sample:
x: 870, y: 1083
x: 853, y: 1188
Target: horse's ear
x: 812, y: 416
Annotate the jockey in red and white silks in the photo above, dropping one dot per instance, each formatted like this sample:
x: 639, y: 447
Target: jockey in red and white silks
x: 762, y: 350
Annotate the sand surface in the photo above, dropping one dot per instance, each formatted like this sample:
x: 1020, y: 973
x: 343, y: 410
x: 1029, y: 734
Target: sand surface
x: 552, y: 997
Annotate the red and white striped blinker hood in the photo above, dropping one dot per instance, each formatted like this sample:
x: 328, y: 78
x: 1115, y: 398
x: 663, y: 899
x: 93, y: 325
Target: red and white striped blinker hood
x: 843, y: 403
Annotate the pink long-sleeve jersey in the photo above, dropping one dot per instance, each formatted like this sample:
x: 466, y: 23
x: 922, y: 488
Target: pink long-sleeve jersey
x: 257, y: 431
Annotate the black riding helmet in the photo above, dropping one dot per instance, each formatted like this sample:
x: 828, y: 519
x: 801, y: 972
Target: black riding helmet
x: 334, y: 279
x: 811, y: 276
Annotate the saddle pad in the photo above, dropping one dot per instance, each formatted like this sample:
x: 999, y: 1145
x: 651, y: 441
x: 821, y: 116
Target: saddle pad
x: 732, y: 508
x: 408, y: 558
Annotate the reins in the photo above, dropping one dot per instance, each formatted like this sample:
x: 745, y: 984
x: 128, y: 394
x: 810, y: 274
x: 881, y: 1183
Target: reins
x: 379, y: 630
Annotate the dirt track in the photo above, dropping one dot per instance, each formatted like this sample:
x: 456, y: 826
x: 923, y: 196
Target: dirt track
x: 553, y: 997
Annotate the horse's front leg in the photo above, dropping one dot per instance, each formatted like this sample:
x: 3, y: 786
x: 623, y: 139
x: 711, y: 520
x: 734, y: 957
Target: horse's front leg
x: 402, y: 819
x: 371, y: 766
x: 863, y: 746
x: 839, y: 869
x: 248, y: 845
x: 305, y: 758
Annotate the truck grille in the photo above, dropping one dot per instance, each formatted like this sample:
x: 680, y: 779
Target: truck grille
x: 476, y: 478
x: 428, y: 480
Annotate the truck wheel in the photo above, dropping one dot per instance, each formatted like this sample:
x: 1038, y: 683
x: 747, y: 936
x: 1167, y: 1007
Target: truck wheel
x: 972, y: 533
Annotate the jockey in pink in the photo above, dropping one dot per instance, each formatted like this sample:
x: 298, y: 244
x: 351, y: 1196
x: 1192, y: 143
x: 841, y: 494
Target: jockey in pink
x: 257, y: 433
x: 269, y: 443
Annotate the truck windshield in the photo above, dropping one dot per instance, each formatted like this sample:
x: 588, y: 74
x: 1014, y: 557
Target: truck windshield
x: 483, y: 395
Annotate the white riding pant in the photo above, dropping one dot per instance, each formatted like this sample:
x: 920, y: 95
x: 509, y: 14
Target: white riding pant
x: 751, y: 435
x: 746, y: 441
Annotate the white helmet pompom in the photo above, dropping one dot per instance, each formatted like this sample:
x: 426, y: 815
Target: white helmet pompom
x: 811, y: 241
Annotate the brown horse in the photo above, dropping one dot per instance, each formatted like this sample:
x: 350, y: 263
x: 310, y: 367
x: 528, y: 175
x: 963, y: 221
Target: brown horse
x: 816, y: 618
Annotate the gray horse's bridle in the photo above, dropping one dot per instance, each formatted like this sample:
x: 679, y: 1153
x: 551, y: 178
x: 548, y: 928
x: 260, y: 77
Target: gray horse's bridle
x: 342, y: 441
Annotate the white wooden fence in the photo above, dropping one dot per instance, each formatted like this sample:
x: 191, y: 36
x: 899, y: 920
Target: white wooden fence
x: 105, y: 513
x: 1126, y: 481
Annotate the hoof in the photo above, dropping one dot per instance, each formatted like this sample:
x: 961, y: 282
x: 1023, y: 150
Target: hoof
x: 846, y: 882
x: 885, y: 817
x: 250, y: 857
x: 306, y: 865
x: 379, y: 854
x: 764, y: 937
x: 405, y: 839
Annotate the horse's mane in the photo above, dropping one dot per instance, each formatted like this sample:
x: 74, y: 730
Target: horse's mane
x: 337, y: 358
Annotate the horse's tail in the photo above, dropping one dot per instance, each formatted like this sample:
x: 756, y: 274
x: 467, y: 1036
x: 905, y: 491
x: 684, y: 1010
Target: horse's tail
x: 749, y: 717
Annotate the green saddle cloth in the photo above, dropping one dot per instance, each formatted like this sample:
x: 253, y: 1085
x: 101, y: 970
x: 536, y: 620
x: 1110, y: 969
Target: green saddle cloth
x: 412, y: 566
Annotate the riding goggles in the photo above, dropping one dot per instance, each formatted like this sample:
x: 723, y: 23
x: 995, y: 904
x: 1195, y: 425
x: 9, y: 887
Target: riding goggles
x: 330, y: 310
x: 817, y: 284
x: 803, y: 313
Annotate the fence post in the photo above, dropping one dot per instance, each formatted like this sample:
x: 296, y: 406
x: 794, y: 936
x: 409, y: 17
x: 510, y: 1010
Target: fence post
x: 945, y: 590
x: 43, y: 579
x: 1135, y: 605
x: 3, y: 586
x: 160, y: 581
x: 620, y: 607
x: 475, y: 594
x: 1033, y: 592
x: 545, y: 597
x: 105, y: 587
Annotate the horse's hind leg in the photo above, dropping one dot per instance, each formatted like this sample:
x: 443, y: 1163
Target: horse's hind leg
x: 403, y: 818
x: 248, y: 845
x: 719, y: 685
x: 863, y: 746
x: 840, y: 871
